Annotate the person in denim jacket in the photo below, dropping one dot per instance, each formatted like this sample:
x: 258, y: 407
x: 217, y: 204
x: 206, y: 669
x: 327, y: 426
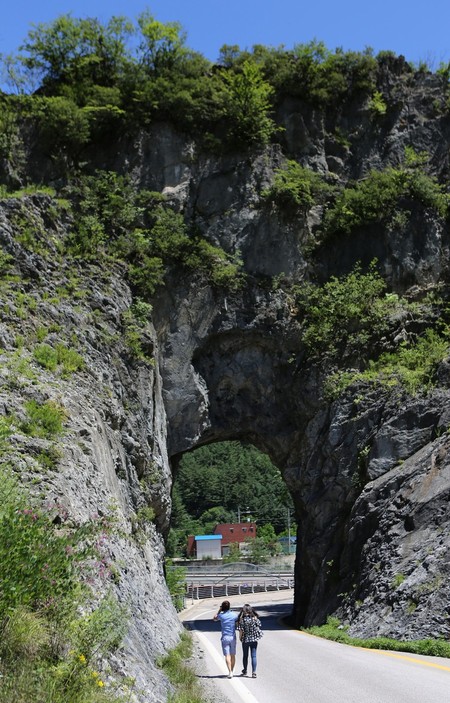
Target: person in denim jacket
x: 227, y: 620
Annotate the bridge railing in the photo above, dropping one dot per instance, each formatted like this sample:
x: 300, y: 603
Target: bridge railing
x: 197, y: 591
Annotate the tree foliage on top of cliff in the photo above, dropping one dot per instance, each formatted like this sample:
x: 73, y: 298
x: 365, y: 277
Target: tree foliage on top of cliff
x: 140, y: 73
x: 311, y: 71
x: 120, y: 74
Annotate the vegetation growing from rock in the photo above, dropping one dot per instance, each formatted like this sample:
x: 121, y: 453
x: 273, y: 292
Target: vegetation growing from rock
x: 43, y: 419
x: 344, y: 320
x: 112, y: 218
x: 58, y: 618
x: 411, y: 366
x: 297, y: 188
x: 49, y: 651
x: 344, y: 314
x: 60, y: 356
x: 383, y: 194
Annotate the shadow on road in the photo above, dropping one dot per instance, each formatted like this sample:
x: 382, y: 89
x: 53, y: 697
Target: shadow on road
x: 271, y: 616
x: 218, y: 676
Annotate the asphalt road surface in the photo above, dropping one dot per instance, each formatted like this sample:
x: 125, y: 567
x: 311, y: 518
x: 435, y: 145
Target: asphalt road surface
x: 294, y: 667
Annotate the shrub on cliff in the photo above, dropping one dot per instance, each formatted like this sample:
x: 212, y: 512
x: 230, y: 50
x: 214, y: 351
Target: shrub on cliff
x: 295, y: 187
x: 344, y: 313
x: 138, y: 227
x: 382, y: 194
x: 412, y: 366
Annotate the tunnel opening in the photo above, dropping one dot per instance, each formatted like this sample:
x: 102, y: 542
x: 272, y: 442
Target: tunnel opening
x: 233, y: 489
x: 232, y: 387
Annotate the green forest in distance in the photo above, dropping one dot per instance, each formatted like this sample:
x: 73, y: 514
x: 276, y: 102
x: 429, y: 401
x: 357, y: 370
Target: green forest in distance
x: 218, y: 482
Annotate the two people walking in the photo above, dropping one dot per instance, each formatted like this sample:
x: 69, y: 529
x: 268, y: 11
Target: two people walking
x: 248, y: 624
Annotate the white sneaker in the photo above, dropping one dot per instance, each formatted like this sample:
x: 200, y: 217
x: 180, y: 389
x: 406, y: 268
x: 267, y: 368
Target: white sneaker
x: 230, y: 675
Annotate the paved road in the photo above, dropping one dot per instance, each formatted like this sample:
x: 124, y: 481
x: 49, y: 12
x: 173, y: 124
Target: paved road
x: 294, y: 667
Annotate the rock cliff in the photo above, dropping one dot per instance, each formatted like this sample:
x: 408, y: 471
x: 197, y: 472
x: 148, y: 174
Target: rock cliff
x: 112, y: 457
x: 368, y: 470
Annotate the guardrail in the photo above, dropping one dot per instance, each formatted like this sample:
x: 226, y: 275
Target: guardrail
x: 195, y: 591
x: 238, y: 578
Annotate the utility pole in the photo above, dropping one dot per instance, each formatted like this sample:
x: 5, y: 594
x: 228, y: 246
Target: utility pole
x: 247, y: 512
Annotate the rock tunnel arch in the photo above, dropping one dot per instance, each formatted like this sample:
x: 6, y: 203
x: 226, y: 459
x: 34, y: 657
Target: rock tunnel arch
x: 244, y: 385
x: 357, y: 468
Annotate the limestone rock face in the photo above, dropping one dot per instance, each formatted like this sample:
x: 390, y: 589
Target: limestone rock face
x: 112, y: 458
x: 368, y: 472
x: 233, y: 366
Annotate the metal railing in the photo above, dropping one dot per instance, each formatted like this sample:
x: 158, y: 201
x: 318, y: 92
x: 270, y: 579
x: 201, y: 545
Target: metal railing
x: 197, y: 591
x: 207, y: 581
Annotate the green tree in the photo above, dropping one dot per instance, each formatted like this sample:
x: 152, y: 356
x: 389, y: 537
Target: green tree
x: 267, y: 534
x: 258, y: 552
x: 162, y: 44
x: 176, y: 583
x: 77, y: 52
x: 181, y: 525
x: 234, y: 554
x: 247, y: 104
x: 64, y: 129
x: 214, y: 516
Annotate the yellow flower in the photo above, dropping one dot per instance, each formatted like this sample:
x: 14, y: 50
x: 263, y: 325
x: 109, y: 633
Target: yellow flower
x: 100, y: 683
x: 82, y: 658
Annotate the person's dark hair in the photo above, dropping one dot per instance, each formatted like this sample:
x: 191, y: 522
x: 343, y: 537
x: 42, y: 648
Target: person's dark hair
x: 247, y: 611
x: 225, y: 606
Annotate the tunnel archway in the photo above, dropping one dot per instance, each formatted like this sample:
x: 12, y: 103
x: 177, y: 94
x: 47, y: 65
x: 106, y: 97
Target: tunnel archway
x: 235, y: 371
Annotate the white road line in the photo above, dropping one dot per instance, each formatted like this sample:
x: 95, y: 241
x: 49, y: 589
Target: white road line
x: 238, y: 686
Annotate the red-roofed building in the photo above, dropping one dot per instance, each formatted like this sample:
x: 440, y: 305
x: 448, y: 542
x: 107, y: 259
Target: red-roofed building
x: 235, y: 533
x: 229, y: 532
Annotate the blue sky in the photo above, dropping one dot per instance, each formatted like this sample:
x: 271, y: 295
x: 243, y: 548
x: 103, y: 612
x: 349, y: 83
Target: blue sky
x: 419, y: 31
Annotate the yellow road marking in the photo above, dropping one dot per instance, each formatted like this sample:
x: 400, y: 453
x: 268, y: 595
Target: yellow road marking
x: 382, y: 651
x: 410, y: 659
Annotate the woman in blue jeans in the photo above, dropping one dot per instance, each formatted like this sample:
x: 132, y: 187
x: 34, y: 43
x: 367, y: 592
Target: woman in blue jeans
x: 249, y: 626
